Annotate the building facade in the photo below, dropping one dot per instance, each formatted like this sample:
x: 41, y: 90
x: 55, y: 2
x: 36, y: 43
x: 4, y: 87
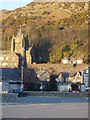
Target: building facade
x: 20, y: 55
x: 86, y: 77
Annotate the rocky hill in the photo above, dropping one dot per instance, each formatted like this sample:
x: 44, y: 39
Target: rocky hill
x: 55, y: 29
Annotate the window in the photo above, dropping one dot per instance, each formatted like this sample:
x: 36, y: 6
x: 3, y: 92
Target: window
x: 15, y: 64
x: 6, y: 58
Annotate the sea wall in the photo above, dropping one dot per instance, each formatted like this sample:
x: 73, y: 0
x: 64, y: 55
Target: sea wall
x: 9, y: 97
x: 57, y: 94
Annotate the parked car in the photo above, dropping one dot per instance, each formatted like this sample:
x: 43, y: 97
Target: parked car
x: 20, y: 93
x: 75, y: 87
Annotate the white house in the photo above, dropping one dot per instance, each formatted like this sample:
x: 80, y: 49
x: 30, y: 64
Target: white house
x: 76, y: 77
x: 79, y: 61
x: 65, y: 61
x: 10, y: 85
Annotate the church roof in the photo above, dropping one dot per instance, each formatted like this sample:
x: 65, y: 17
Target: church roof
x: 19, y: 33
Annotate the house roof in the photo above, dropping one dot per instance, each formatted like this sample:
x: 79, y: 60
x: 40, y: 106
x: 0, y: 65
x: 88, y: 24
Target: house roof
x: 65, y: 74
x: 73, y: 74
x: 73, y: 59
x: 80, y: 73
x: 65, y: 58
x: 79, y: 59
x: 43, y: 75
x: 10, y: 74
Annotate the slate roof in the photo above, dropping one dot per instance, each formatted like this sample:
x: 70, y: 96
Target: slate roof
x: 80, y: 73
x: 73, y: 74
x: 43, y: 75
x: 65, y: 74
x: 10, y: 74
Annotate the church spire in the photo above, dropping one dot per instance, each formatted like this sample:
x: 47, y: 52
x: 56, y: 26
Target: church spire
x: 20, y: 32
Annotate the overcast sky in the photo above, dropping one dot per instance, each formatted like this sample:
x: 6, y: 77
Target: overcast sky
x: 13, y: 4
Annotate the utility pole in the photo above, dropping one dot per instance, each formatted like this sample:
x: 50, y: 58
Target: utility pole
x: 22, y: 86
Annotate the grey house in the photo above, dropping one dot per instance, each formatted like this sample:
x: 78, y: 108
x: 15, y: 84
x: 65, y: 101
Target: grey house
x: 86, y: 77
x: 10, y: 80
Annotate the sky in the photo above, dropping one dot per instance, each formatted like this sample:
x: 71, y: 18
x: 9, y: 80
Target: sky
x: 13, y: 4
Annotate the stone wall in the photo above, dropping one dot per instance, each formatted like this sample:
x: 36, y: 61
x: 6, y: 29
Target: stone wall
x: 9, y: 97
x: 56, y: 93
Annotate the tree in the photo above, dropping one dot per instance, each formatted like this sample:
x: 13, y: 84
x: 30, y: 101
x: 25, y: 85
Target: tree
x: 53, y: 83
x: 55, y: 57
x: 30, y: 80
x: 66, y: 48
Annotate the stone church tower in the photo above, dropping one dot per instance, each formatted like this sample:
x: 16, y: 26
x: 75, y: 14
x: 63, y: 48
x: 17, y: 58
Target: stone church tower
x: 19, y: 55
x: 20, y: 45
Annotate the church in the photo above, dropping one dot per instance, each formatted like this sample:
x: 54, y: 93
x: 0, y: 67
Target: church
x: 19, y: 55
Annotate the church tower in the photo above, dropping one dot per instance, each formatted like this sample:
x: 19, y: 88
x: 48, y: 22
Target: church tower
x: 20, y: 45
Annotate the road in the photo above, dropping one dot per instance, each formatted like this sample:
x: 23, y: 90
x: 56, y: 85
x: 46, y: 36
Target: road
x: 47, y: 107
x: 59, y: 110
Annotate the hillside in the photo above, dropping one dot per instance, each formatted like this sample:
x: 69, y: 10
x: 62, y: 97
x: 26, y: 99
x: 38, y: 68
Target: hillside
x: 54, y: 29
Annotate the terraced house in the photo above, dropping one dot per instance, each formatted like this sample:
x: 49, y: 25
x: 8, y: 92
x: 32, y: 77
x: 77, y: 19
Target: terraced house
x: 19, y: 55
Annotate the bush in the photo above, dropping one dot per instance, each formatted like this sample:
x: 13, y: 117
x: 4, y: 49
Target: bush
x: 66, y: 48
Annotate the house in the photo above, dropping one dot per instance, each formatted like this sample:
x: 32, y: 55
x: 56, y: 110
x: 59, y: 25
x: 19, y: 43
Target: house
x: 64, y: 87
x: 79, y: 61
x: 76, y: 77
x: 86, y: 77
x: 10, y: 80
x: 63, y: 77
x: 65, y: 61
x: 10, y: 85
x: 44, y: 77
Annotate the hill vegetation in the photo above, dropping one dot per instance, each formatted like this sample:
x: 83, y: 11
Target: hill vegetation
x: 56, y: 30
